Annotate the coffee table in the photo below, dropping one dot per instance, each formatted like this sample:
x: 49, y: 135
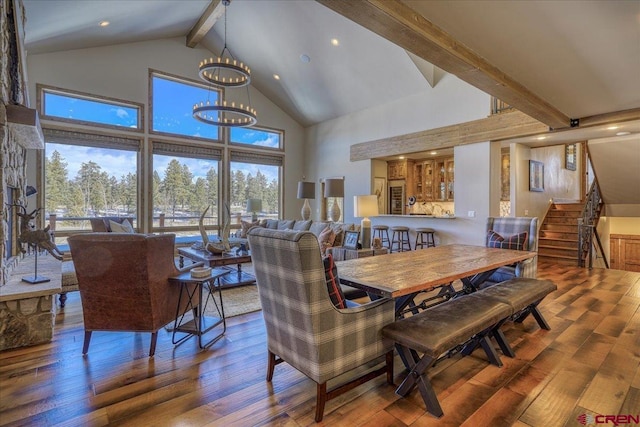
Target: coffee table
x: 224, y: 260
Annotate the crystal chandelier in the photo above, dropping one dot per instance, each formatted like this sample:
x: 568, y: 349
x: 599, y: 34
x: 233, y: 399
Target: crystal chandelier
x: 225, y: 72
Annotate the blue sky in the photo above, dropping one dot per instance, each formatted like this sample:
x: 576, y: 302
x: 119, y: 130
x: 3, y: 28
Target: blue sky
x: 172, y: 106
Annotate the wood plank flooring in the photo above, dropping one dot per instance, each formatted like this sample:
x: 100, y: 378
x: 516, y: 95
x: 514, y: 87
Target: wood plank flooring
x: 589, y: 363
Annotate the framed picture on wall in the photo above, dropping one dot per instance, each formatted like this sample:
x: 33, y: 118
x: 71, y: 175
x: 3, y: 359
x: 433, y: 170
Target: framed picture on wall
x: 536, y: 176
x: 570, y: 156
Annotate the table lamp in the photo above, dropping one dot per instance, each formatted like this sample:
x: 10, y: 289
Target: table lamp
x: 306, y: 191
x: 254, y: 206
x: 365, y: 206
x: 334, y: 188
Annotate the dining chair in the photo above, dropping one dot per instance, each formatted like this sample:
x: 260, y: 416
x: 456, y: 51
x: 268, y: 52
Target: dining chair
x: 303, y: 326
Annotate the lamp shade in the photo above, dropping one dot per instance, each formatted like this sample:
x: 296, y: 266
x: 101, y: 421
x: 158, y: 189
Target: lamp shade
x: 364, y: 206
x: 334, y: 188
x: 254, y: 205
x: 306, y: 190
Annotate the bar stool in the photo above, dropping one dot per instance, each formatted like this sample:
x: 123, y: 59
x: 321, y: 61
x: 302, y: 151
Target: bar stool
x: 400, y: 236
x: 429, y: 241
x: 382, y: 231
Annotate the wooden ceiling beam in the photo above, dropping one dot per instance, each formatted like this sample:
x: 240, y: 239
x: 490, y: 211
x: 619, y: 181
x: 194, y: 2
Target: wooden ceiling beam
x: 401, y: 25
x: 209, y: 17
x: 497, y: 127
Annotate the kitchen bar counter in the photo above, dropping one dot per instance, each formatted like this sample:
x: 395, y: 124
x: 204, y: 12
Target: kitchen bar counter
x: 423, y: 216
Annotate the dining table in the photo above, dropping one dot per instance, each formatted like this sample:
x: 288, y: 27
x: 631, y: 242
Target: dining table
x: 403, y: 275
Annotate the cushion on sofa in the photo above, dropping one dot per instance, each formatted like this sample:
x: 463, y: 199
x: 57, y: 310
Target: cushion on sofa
x: 246, y: 226
x: 272, y: 224
x: 317, y: 227
x: 286, y: 224
x: 326, y: 239
x: 302, y: 225
x: 517, y: 241
x: 123, y: 227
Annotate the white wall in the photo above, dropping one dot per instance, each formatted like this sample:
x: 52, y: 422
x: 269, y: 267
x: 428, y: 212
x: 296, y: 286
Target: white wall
x: 328, y: 144
x: 121, y: 71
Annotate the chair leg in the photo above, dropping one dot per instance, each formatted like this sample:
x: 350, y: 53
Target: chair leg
x: 87, y: 338
x: 321, y: 399
x: 152, y: 346
x: 271, y: 365
x: 389, y: 360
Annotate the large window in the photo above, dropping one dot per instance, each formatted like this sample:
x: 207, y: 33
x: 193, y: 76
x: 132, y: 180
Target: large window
x: 164, y: 178
x: 185, y: 182
x: 89, y: 176
x: 172, y: 106
x: 81, y: 108
x: 255, y: 176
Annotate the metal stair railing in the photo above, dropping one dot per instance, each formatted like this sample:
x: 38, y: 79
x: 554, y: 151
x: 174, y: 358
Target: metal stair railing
x: 587, y: 224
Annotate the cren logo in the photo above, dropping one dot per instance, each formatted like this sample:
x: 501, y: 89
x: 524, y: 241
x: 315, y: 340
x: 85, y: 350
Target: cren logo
x: 586, y: 419
x: 624, y: 419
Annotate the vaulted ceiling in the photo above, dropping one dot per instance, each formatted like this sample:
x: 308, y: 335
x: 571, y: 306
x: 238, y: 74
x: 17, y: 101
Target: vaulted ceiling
x: 553, y: 60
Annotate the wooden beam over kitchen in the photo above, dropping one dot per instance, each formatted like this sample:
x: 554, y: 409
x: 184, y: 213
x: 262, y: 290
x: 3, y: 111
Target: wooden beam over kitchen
x: 403, y: 26
x: 214, y: 11
x: 496, y: 127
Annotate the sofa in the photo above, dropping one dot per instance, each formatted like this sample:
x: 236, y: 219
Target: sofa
x: 330, y: 234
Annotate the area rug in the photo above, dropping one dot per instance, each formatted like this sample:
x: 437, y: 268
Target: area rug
x: 238, y: 300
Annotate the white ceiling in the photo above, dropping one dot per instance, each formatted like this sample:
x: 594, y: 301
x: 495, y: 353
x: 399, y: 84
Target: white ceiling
x: 580, y: 56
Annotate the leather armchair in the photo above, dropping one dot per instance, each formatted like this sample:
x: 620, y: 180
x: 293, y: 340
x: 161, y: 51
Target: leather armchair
x: 304, y: 328
x: 122, y: 279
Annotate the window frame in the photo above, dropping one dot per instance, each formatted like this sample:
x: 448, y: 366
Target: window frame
x: 280, y: 149
x: 42, y: 89
x: 222, y: 134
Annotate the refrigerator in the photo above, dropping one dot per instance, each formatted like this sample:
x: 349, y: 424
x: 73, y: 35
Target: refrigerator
x: 396, y: 197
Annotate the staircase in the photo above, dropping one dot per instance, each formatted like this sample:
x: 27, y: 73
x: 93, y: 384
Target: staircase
x: 558, y: 239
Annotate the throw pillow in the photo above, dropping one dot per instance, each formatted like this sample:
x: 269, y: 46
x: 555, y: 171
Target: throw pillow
x: 333, y: 284
x: 124, y: 227
x: 517, y: 241
x: 317, y: 227
x: 246, y: 226
x: 326, y: 239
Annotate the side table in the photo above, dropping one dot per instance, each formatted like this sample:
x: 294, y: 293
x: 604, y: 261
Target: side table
x: 197, y: 303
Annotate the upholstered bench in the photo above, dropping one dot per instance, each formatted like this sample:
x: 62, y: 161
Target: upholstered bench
x: 523, y: 295
x: 463, y: 323
x: 445, y: 327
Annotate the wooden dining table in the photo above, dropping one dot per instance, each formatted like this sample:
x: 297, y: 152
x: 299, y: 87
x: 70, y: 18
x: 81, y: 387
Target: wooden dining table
x: 402, y: 275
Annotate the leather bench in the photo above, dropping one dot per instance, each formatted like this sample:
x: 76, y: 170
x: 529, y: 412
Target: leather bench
x: 439, y: 329
x: 463, y: 323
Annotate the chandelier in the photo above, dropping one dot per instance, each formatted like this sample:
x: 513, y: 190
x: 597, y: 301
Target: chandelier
x: 225, y: 72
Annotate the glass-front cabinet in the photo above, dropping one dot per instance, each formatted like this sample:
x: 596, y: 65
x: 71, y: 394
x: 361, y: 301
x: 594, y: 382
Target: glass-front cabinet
x: 428, y: 180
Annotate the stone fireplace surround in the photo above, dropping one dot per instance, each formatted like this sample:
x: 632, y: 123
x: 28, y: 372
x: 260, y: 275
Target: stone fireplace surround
x: 26, y: 316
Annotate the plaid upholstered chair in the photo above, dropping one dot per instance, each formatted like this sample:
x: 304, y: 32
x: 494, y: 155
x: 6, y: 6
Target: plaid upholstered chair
x: 304, y: 328
x: 511, y: 230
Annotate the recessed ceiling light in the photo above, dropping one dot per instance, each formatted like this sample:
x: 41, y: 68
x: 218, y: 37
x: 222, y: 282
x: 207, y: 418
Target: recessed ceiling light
x: 612, y: 128
x: 104, y: 23
x: 623, y: 133
x: 433, y: 153
x: 401, y: 157
x: 276, y: 76
x: 540, y: 138
x: 335, y: 42
x: 305, y: 58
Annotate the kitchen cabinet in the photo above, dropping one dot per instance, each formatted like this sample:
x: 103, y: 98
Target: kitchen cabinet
x: 397, y: 169
x: 433, y: 180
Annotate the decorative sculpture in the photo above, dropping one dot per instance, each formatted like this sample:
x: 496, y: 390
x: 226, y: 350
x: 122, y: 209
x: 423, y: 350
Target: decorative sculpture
x: 224, y: 245
x: 35, y: 239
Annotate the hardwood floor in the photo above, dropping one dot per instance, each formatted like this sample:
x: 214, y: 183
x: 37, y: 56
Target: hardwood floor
x: 587, y: 364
